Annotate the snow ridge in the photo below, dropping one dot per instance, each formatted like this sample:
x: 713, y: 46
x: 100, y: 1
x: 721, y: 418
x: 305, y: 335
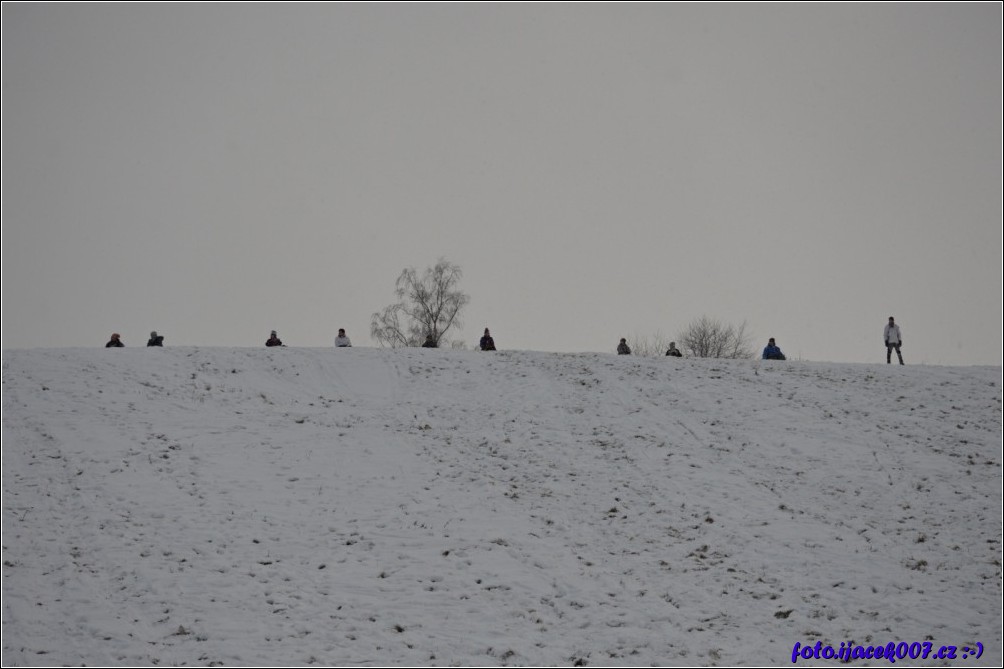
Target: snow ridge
x: 375, y: 507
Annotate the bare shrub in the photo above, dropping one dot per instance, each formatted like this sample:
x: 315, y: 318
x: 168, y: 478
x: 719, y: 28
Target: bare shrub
x: 649, y: 347
x: 710, y: 338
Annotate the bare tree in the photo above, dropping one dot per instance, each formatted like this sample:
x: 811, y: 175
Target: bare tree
x: 709, y: 338
x: 428, y: 306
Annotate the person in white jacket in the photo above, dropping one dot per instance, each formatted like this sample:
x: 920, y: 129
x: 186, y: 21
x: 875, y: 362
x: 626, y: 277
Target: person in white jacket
x: 893, y: 340
x: 342, y: 341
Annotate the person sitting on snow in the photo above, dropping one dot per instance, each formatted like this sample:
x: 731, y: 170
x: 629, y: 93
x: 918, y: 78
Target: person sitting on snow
x: 273, y: 340
x: 623, y: 348
x: 115, y: 342
x: 673, y: 351
x: 155, y: 339
x: 772, y: 352
x: 342, y: 340
x: 487, y: 343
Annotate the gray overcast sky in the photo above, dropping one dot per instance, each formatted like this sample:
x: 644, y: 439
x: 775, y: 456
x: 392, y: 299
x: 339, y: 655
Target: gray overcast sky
x: 214, y: 171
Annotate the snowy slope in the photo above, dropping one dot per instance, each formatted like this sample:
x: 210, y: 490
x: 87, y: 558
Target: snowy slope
x: 193, y: 506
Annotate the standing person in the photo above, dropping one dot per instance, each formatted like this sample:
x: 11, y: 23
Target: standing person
x: 274, y: 340
x: 893, y: 340
x: 487, y: 343
x: 155, y: 339
x: 342, y: 340
x: 772, y: 352
x: 623, y: 348
x: 115, y: 341
x: 673, y: 351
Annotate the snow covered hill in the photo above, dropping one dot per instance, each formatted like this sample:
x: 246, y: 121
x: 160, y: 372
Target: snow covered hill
x: 194, y: 506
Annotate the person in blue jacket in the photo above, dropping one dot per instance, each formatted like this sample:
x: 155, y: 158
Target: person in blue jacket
x: 772, y: 352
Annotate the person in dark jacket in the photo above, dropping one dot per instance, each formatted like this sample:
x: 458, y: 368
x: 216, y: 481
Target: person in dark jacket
x: 487, y: 343
x: 623, y: 348
x: 155, y: 339
x: 673, y: 351
x: 772, y: 352
x: 430, y: 343
x: 274, y: 340
x: 115, y: 342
